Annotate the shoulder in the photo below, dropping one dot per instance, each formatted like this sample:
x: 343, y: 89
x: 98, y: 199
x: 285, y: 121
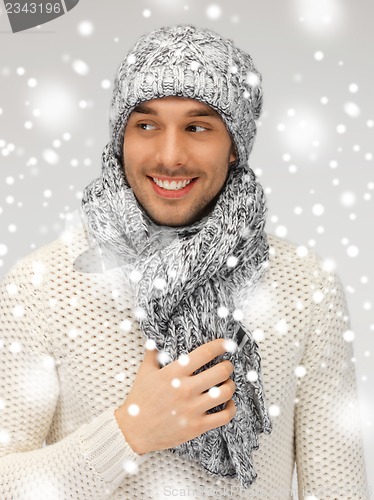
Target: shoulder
x: 289, y: 257
x: 285, y: 253
x: 50, y: 258
x: 293, y: 265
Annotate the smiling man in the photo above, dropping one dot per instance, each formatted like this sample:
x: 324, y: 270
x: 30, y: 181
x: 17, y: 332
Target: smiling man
x: 168, y: 346
x: 177, y: 153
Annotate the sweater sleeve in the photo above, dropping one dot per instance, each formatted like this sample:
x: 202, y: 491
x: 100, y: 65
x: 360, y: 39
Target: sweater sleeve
x: 93, y: 460
x: 328, y: 435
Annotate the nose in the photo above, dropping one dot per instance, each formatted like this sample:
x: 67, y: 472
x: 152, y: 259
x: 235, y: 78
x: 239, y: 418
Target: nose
x: 171, y: 149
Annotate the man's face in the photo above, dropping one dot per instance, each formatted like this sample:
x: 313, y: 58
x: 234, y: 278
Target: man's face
x: 176, y: 158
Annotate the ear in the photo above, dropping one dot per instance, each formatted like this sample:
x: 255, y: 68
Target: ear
x: 233, y: 156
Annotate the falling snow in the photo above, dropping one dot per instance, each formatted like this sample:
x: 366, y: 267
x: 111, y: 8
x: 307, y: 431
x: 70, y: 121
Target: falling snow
x: 274, y: 410
x: 281, y: 327
x: 232, y: 261
x: 326, y: 145
x: 183, y: 359
x: 214, y: 392
x: 348, y: 336
x: 352, y: 109
x: 175, y: 383
x: 214, y: 11
x: 223, y: 312
x: 126, y: 326
x: 133, y: 410
x: 150, y: 344
x: 4, y: 436
x: 86, y: 28
x: 80, y: 67
x: 252, y: 376
x: 163, y: 357
x: 230, y: 345
x: 300, y: 371
x: 130, y: 467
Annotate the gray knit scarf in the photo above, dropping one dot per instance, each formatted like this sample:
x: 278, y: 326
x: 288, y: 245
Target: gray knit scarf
x: 188, y: 288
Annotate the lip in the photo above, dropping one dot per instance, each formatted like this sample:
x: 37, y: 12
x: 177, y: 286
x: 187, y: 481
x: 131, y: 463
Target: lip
x: 169, y: 194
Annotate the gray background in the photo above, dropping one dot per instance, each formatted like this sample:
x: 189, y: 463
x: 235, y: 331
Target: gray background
x: 315, y: 138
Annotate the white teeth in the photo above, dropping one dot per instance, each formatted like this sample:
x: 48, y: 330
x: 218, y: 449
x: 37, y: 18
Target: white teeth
x: 173, y: 185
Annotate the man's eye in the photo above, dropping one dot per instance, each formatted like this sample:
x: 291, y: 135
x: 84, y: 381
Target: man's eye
x: 146, y: 126
x: 196, y: 128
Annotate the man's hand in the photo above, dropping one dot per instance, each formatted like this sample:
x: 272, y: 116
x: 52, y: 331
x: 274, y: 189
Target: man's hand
x: 167, y: 406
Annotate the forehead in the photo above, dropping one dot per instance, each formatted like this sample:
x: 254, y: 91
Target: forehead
x: 183, y: 105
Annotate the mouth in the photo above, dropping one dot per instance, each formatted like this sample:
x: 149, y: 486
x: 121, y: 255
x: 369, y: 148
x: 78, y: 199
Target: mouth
x: 172, y: 187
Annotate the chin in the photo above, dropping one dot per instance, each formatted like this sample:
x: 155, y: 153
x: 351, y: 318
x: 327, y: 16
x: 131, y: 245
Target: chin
x: 173, y: 219
x: 171, y: 222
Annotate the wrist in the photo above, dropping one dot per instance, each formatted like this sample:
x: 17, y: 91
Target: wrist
x: 128, y: 434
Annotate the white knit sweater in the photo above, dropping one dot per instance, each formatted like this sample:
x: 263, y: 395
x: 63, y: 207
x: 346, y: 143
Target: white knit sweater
x: 69, y: 353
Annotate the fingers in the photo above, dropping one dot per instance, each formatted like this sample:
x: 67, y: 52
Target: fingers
x: 219, y: 418
x: 217, y: 395
x: 213, y: 376
x: 187, y: 364
x: 202, y: 355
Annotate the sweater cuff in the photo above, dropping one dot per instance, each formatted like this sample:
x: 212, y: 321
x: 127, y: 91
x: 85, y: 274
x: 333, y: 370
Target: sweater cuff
x: 105, y: 448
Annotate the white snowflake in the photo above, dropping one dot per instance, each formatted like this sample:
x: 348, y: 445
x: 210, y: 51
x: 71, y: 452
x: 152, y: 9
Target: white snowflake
x: 232, y: 261
x: 230, y: 345
x: 50, y: 156
x: 352, y: 251
x: 214, y: 11
x: 176, y: 383
x: 352, y: 109
x: 120, y: 377
x: 319, y: 55
x: 300, y: 371
x: 252, y: 376
x: 18, y: 311
x: 15, y: 347
x: 32, y: 82
x: 3, y: 249
x: 126, y: 326
x: 318, y: 209
x: 318, y: 296
x: 348, y: 336
x: 150, y: 345
x: 131, y: 59
x: 223, y: 312
x: 130, y: 466
x: 238, y: 315
x: 281, y: 327
x: 133, y: 410
x: 163, y: 357
x: 85, y: 28
x: 80, y: 67
x: 274, y: 410
x: 214, y: 392
x: 302, y: 251
x: 258, y: 335
x: 4, y: 436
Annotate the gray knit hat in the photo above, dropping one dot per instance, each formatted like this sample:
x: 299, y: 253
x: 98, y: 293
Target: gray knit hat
x: 189, y: 62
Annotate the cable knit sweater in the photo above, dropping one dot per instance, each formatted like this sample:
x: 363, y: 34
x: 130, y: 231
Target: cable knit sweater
x: 70, y: 349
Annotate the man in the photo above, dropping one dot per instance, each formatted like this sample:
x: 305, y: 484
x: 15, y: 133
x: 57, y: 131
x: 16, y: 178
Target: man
x: 169, y: 347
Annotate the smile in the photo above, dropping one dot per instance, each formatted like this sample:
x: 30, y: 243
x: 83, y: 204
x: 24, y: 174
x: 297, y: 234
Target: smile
x: 172, y: 185
x: 172, y: 188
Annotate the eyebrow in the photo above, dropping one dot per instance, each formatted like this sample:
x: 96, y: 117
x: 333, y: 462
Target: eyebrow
x: 194, y: 112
